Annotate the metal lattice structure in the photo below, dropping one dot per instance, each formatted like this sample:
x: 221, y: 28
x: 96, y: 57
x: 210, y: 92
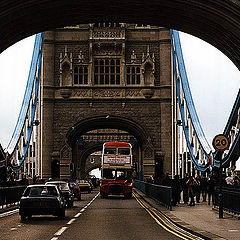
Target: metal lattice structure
x: 19, y: 142
x: 197, y: 146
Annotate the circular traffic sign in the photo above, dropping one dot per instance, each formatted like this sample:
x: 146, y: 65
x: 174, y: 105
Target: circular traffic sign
x: 220, y: 142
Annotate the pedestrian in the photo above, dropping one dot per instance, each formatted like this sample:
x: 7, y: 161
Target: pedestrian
x: 211, y: 188
x: 191, y: 183
x: 185, y: 188
x: 204, y: 188
x: 166, y: 181
x: 176, y: 190
x: 198, y: 188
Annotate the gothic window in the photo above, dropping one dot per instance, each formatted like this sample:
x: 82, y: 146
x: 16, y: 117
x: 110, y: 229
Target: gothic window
x: 133, y: 75
x: 80, y: 75
x: 107, y: 72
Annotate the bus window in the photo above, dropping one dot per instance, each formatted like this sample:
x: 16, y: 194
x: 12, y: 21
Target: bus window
x: 108, y: 174
x: 110, y: 151
x: 124, y: 151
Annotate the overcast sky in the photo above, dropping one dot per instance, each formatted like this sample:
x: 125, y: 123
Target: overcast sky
x: 213, y: 78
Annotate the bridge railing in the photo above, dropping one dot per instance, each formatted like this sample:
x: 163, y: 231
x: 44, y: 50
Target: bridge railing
x: 163, y: 194
x: 231, y: 199
x: 10, y: 195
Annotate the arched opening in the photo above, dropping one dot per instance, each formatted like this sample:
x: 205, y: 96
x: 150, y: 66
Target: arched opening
x: 87, y: 137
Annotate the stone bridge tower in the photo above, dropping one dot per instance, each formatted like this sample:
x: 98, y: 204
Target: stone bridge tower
x: 106, y: 76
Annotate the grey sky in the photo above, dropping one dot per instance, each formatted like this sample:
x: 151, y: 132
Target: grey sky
x: 214, y: 81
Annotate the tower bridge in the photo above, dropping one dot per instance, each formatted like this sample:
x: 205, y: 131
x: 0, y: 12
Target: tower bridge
x: 93, y: 79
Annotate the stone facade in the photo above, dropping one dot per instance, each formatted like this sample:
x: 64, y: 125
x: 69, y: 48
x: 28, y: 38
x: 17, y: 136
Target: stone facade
x: 120, y: 72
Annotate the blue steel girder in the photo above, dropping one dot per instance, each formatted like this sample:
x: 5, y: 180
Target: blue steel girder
x: 30, y: 96
x: 183, y: 91
x: 234, y: 151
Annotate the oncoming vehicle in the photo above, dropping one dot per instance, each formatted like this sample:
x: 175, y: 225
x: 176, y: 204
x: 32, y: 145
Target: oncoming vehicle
x: 116, y: 169
x: 41, y: 200
x: 64, y: 190
x: 75, y: 188
x: 84, y: 185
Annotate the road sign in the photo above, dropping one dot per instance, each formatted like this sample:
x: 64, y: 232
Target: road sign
x: 220, y: 142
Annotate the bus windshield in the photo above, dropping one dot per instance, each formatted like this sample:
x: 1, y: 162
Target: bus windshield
x: 123, y: 151
x: 109, y: 150
x: 119, y: 174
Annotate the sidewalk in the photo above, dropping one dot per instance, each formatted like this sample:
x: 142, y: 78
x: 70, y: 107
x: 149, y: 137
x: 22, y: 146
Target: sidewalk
x: 201, y: 218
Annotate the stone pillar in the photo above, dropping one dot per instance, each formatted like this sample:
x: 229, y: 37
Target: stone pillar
x: 148, y: 161
x: 166, y: 95
x: 65, y: 160
x: 47, y: 104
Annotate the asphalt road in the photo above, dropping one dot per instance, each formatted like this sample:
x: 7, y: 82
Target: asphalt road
x: 92, y: 218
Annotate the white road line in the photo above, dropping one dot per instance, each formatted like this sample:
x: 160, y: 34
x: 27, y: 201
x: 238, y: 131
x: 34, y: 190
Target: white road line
x: 77, y: 215
x: 71, y: 221
x: 55, y: 238
x: 60, y: 231
x: 9, y: 213
x: 82, y: 210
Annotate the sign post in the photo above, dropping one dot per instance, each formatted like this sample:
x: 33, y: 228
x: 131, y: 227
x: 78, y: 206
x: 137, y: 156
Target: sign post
x: 220, y: 143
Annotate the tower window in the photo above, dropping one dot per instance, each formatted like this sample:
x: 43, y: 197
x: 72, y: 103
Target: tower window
x: 107, y: 71
x: 133, y: 75
x: 80, y: 75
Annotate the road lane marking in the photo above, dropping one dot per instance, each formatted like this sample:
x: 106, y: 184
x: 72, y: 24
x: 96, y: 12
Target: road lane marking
x: 9, y: 213
x: 71, y: 221
x: 77, y: 215
x: 60, y: 231
x: 164, y: 222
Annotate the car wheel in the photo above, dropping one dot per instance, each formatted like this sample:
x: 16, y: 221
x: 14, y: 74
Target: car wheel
x: 70, y: 204
x: 23, y: 218
x: 89, y: 191
x: 61, y: 215
x: 79, y: 198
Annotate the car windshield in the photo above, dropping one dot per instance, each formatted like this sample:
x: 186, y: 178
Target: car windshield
x: 61, y: 186
x: 41, y: 191
x: 72, y: 185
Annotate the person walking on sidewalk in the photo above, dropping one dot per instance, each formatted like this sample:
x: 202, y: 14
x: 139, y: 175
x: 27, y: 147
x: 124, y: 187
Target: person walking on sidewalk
x: 191, y: 183
x: 185, y: 188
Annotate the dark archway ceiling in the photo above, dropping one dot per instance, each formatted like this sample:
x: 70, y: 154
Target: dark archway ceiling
x: 105, y: 122
x: 215, y: 21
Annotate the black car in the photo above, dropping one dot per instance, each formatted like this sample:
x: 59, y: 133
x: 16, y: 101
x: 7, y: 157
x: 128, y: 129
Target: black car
x: 64, y: 190
x: 41, y: 200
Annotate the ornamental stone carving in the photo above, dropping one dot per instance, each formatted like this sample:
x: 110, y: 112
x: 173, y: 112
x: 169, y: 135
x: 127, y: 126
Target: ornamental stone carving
x: 104, y: 93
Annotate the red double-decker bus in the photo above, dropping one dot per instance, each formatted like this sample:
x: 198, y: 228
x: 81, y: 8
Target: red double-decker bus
x: 116, y: 169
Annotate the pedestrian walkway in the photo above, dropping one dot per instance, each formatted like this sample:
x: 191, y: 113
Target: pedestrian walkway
x: 202, y: 219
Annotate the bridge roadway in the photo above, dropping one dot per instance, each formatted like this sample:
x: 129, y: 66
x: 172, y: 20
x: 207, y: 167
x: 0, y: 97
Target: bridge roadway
x: 92, y: 218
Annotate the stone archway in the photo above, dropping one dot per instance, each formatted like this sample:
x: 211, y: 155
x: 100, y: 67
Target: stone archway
x: 215, y: 21
x: 146, y: 152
